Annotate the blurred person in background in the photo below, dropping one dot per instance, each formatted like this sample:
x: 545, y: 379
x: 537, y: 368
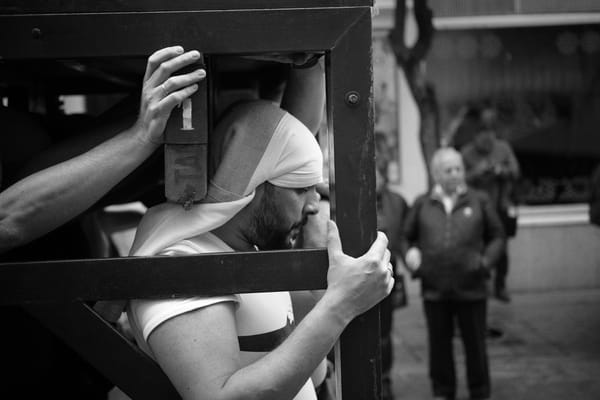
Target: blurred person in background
x: 452, y: 238
x: 491, y: 166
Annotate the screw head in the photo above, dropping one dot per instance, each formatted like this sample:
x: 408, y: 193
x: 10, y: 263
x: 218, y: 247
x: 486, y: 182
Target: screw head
x: 352, y: 98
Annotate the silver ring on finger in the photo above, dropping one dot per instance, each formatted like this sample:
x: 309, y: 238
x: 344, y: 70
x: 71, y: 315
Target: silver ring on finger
x: 164, y: 90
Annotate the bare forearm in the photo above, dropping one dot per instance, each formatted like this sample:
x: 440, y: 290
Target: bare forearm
x: 282, y: 372
x: 41, y: 202
x: 45, y: 200
x: 304, y: 95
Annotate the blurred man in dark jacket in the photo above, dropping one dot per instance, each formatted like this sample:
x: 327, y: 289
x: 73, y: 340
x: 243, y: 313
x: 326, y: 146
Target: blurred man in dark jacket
x: 491, y: 166
x: 452, y: 238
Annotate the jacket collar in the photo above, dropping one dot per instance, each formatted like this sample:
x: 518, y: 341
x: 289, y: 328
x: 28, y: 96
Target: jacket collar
x: 437, y: 192
x: 458, y: 197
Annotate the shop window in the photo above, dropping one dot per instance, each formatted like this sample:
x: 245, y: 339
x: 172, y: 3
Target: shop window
x: 544, y: 83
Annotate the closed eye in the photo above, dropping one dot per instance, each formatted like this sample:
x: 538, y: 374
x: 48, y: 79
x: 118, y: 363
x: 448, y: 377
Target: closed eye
x: 303, y: 190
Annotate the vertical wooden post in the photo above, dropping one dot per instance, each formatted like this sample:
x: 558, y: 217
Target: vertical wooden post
x: 186, y: 141
x: 350, y: 99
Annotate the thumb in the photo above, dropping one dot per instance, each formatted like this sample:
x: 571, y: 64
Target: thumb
x: 334, y: 243
x: 379, y: 246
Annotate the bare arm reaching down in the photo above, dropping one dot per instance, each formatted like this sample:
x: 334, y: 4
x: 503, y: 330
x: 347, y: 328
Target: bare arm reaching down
x: 304, y: 95
x: 47, y: 199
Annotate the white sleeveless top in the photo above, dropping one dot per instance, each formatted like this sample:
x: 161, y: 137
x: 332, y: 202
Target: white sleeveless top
x: 263, y: 320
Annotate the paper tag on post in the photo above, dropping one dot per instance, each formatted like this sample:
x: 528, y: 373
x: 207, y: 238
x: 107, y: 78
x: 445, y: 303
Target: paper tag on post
x: 186, y: 140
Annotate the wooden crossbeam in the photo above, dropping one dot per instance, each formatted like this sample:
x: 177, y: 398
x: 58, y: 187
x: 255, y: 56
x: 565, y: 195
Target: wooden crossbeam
x: 162, y: 276
x: 35, y: 36
x: 61, y: 6
x: 342, y: 28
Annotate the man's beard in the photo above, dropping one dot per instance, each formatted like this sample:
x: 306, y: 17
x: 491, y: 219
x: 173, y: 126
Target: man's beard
x: 267, y: 231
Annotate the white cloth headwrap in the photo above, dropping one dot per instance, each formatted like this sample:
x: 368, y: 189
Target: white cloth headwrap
x: 256, y: 142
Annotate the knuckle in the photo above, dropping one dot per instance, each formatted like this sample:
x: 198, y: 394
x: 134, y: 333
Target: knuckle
x: 384, y: 237
x: 176, y: 80
x: 180, y: 96
x: 372, y: 261
x: 152, y: 61
x: 163, y: 69
x: 153, y: 110
x: 146, y: 96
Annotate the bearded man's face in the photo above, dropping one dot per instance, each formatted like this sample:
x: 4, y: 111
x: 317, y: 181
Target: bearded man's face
x: 280, y: 215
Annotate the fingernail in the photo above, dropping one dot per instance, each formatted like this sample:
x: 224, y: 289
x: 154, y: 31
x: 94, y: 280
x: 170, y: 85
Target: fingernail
x: 194, y: 87
x: 195, y: 54
x: 179, y: 50
x: 201, y: 73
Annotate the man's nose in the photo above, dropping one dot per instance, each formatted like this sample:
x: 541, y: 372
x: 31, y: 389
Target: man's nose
x: 312, y: 203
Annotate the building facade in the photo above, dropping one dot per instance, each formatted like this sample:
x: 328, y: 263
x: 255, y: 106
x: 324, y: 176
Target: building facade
x: 538, y: 64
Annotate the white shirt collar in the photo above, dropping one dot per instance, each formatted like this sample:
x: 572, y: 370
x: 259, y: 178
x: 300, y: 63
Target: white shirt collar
x: 448, y: 200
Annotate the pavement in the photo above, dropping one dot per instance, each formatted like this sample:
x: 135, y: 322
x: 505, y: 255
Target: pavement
x: 550, y: 349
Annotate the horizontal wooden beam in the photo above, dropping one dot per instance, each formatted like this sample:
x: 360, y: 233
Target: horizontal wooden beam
x: 162, y: 276
x: 140, y: 34
x: 97, y: 6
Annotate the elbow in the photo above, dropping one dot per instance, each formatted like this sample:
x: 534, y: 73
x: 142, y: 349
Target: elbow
x: 14, y: 232
x: 10, y: 237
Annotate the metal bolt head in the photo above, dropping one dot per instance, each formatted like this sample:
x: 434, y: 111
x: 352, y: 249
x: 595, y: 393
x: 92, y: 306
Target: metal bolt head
x: 352, y: 98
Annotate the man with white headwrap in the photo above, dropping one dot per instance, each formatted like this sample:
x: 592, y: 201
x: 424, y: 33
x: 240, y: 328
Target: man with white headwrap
x: 264, y: 167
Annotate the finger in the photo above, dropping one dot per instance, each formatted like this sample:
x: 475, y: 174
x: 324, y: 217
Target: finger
x: 323, y: 189
x: 390, y: 269
x: 387, y: 256
x: 160, y: 56
x: 334, y: 243
x: 168, y: 103
x: 168, y: 67
x: 175, y: 83
x: 378, y: 247
x: 391, y: 284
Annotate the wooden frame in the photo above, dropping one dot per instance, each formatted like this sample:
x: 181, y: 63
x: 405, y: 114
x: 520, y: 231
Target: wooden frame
x: 54, y: 291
